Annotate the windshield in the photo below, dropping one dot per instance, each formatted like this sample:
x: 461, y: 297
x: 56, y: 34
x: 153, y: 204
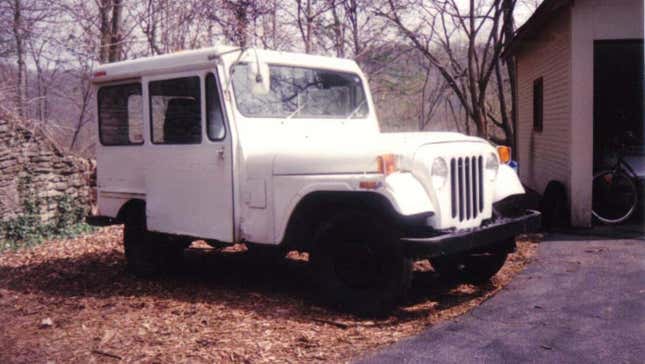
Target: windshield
x: 298, y: 92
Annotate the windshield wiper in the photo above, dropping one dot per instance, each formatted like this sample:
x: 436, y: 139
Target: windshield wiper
x: 358, y: 107
x: 296, y: 110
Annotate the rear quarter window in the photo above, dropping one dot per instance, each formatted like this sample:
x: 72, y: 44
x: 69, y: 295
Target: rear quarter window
x: 120, y: 113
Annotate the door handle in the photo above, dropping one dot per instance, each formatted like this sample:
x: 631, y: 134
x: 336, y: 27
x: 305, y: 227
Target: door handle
x: 220, y: 152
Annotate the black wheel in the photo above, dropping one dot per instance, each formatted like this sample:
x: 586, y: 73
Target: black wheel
x: 554, y: 206
x: 614, y: 197
x: 476, y: 268
x: 265, y: 254
x: 359, y: 264
x: 146, y: 253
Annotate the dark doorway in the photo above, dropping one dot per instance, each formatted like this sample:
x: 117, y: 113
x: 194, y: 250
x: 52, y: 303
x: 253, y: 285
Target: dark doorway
x: 618, y: 97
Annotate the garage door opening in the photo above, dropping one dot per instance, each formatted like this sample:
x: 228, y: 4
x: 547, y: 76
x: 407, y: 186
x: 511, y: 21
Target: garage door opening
x: 618, y: 125
x: 618, y: 97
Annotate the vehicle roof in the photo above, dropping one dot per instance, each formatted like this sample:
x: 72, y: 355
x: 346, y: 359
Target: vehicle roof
x: 205, y: 57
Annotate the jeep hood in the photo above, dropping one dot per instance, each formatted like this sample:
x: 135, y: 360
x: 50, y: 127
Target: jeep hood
x: 356, y: 154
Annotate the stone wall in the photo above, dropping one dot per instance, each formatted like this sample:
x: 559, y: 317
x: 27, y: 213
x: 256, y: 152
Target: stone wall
x: 32, y: 165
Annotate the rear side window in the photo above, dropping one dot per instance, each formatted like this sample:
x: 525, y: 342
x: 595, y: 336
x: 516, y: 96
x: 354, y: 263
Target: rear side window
x: 120, y: 115
x: 175, y: 111
x: 214, y: 114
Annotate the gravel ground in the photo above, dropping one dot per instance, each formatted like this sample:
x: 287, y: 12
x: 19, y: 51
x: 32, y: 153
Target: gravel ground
x: 72, y: 301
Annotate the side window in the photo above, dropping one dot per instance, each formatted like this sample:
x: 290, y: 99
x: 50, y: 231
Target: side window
x: 120, y: 114
x: 214, y: 113
x: 175, y: 111
x: 538, y: 104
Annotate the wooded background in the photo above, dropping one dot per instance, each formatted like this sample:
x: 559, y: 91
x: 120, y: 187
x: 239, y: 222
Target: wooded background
x: 432, y: 64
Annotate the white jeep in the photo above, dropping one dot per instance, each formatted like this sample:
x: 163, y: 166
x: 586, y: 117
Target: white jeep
x: 282, y: 151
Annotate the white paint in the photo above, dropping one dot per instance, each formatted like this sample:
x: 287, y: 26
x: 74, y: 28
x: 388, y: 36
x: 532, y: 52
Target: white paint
x: 506, y: 183
x: 269, y: 165
x: 407, y: 194
x: 189, y: 187
x: 545, y: 156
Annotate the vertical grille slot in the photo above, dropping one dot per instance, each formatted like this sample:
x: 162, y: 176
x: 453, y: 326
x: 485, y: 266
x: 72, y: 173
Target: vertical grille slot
x: 453, y: 187
x: 460, y: 172
x: 468, y: 200
x: 466, y: 187
x: 480, y: 163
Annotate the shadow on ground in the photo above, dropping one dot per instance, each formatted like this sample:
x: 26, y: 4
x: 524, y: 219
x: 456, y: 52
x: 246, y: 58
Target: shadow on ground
x: 634, y: 228
x: 209, y: 275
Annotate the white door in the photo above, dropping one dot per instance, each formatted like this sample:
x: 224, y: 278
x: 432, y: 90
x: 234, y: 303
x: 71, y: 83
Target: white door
x: 188, y: 175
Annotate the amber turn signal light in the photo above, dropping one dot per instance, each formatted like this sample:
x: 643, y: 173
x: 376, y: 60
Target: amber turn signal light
x: 369, y: 185
x: 387, y: 164
x: 504, y: 153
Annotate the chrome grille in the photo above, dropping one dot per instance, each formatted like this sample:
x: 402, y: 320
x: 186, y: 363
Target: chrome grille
x: 466, y: 187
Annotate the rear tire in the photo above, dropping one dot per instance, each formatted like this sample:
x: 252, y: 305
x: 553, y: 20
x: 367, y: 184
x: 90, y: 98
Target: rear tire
x: 148, y: 254
x: 360, y: 265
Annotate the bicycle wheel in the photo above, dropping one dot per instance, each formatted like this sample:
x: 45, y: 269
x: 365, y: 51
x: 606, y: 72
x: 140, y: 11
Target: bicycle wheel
x: 614, y: 196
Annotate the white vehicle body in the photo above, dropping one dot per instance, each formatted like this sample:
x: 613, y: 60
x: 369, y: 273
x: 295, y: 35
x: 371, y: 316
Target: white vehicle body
x: 247, y: 186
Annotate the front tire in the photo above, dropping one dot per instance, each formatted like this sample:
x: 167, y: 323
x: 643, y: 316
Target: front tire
x: 360, y: 265
x: 475, y: 268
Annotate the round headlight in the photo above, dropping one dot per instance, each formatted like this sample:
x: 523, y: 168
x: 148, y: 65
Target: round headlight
x: 492, y: 165
x: 439, y: 172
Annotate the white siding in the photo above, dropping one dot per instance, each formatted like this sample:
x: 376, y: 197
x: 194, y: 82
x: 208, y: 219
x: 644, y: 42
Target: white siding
x: 544, y: 156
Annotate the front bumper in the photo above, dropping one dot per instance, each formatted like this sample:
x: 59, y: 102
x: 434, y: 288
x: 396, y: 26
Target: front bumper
x: 494, y: 233
x: 99, y: 221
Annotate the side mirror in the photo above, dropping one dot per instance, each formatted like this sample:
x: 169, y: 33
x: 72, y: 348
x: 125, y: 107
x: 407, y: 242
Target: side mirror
x: 259, y: 77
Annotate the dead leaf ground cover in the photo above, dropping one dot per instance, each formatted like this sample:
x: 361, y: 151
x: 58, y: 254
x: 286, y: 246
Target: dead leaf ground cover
x: 72, y: 301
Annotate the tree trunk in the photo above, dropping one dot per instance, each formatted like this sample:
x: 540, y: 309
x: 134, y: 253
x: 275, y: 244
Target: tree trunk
x: 104, y: 28
x: 339, y: 41
x: 309, y: 28
x: 115, y: 32
x: 21, y: 77
x: 354, y: 20
x: 508, y: 29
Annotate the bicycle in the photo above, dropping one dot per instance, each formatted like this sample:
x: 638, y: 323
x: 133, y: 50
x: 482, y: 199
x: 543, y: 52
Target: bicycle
x: 615, y: 192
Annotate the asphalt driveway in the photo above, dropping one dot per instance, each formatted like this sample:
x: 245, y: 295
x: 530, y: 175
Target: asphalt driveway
x: 581, y: 301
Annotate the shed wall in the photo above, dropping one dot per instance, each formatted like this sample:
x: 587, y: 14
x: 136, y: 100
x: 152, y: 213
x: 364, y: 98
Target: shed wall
x: 544, y: 156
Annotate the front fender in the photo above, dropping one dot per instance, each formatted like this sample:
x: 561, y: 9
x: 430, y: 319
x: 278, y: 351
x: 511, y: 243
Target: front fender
x: 507, y: 183
x: 404, y: 192
x: 407, y: 194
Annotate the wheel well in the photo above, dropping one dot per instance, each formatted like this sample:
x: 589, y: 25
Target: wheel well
x: 131, y: 204
x: 317, y: 207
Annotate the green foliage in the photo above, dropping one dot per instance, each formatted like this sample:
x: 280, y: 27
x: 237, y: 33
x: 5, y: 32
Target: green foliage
x: 28, y: 229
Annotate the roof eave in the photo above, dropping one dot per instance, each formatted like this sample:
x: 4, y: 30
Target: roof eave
x: 542, y: 15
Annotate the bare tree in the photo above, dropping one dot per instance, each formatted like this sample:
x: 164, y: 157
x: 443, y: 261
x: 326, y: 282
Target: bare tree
x: 465, y: 45
x: 110, y: 15
x: 6, y: 34
x: 19, y: 35
x: 23, y: 19
x: 237, y: 17
x: 309, y: 19
x: 432, y: 94
x: 170, y: 26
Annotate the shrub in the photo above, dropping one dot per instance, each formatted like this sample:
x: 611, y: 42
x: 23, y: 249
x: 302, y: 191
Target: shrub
x: 28, y: 228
